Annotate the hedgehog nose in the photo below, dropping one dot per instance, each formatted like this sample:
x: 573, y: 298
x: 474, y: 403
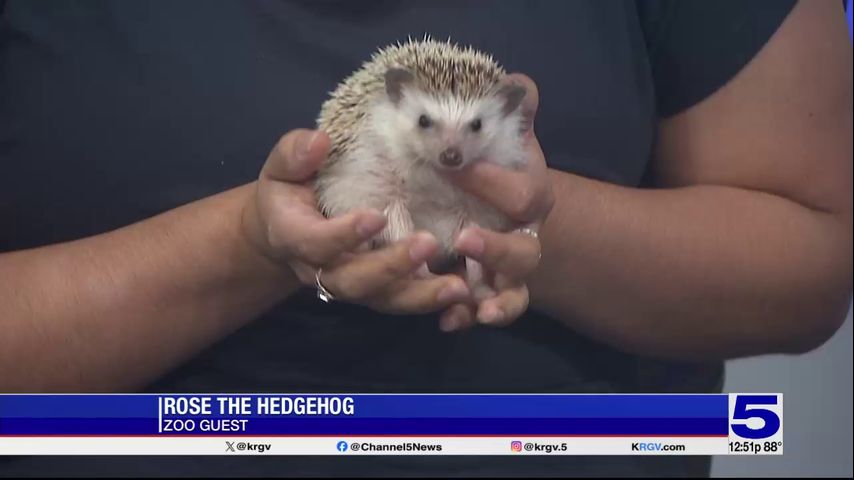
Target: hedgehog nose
x: 451, y: 157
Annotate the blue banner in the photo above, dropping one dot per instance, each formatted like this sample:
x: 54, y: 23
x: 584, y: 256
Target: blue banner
x: 369, y: 415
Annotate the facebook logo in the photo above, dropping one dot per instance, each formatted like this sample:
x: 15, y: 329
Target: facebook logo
x: 342, y: 446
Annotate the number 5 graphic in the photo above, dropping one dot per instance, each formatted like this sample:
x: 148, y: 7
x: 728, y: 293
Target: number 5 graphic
x: 744, y: 410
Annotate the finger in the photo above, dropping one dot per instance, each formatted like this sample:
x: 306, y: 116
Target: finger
x: 522, y: 194
x: 319, y: 243
x: 421, y: 296
x: 457, y: 317
x: 370, y: 273
x: 316, y: 240
x: 513, y: 254
x: 296, y: 156
x: 504, y: 308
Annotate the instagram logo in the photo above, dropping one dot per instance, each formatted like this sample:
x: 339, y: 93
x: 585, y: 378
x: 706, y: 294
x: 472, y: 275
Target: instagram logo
x: 516, y: 446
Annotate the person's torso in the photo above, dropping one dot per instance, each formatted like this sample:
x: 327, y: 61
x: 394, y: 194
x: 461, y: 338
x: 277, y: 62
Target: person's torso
x: 113, y: 112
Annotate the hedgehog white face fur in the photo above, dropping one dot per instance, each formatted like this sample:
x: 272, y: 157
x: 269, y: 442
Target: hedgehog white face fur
x: 443, y: 129
x: 412, y: 110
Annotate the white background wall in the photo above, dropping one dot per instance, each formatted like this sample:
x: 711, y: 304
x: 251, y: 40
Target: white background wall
x: 817, y: 406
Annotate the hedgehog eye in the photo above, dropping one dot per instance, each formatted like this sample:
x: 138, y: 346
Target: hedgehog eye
x: 475, y: 125
x: 424, y: 121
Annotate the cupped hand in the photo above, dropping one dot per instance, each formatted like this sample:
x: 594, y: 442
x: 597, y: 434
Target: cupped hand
x: 283, y: 223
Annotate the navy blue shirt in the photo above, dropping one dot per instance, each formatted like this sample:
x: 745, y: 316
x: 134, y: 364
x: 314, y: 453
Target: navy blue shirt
x: 112, y: 112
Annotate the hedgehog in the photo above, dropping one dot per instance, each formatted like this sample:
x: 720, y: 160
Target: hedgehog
x: 411, y: 113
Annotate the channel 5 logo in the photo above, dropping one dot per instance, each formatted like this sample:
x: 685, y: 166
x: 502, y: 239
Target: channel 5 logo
x: 755, y: 416
x: 516, y: 446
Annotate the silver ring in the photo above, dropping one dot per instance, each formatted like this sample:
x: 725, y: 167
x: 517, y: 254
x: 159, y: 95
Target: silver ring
x: 533, y: 233
x: 529, y: 231
x: 322, y: 293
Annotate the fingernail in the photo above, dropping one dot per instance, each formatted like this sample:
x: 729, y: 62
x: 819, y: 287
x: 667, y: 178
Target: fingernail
x: 454, y: 292
x: 422, y: 248
x: 470, y: 243
x: 370, y: 224
x: 304, y: 144
x: 490, y: 314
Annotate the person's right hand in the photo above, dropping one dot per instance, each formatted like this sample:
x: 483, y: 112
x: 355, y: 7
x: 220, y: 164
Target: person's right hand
x: 283, y: 223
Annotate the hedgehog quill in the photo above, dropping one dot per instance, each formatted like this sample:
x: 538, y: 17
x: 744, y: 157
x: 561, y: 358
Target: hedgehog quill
x: 410, y: 112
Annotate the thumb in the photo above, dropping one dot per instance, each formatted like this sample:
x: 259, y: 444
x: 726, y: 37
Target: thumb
x: 296, y: 156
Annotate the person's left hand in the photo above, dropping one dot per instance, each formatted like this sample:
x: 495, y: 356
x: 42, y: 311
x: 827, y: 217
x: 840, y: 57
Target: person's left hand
x: 508, y: 258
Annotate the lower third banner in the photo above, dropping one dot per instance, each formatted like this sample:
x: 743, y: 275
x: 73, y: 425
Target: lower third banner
x: 359, y: 424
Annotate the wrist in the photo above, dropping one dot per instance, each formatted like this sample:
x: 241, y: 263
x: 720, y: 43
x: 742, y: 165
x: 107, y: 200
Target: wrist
x: 253, y: 241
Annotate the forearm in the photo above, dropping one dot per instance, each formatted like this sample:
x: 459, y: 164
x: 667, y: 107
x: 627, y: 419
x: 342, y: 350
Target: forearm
x: 692, y: 273
x: 114, y: 311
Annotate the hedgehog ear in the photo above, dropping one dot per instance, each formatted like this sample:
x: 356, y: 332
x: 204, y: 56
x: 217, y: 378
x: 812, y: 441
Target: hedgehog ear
x: 395, y: 80
x: 512, y: 96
